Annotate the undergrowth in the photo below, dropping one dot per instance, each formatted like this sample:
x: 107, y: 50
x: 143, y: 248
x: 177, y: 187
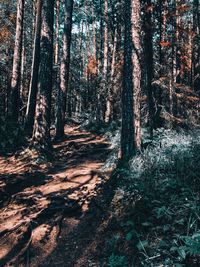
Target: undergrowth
x: 156, y: 205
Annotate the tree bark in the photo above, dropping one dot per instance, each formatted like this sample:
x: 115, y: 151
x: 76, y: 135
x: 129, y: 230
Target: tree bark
x: 196, y: 46
x: 57, y: 32
x: 41, y: 132
x: 177, y: 41
x: 131, y: 130
x: 136, y: 59
x: 109, y: 101
x: 105, y: 51
x: 105, y: 64
x: 149, y: 63
x: 64, y: 70
x: 30, y: 111
x: 16, y: 71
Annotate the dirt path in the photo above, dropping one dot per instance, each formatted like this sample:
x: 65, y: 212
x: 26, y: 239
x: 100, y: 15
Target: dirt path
x: 45, y: 209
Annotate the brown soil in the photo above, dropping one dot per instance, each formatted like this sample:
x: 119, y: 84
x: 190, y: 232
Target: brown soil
x: 50, y: 213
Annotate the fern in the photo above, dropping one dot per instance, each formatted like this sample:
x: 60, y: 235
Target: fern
x: 192, y: 243
x: 117, y: 261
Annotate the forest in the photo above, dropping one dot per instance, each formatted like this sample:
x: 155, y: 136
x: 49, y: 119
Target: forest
x: 100, y: 133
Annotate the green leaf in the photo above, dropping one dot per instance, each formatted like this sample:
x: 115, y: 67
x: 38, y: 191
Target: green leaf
x: 166, y: 227
x: 142, y: 244
x: 182, y: 253
x: 129, y: 236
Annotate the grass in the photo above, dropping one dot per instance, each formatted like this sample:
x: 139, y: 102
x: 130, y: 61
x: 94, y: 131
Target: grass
x: 159, y: 207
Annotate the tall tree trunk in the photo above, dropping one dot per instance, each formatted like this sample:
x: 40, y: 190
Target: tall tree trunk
x: 162, y: 70
x: 81, y: 49
x: 127, y: 132
x: 16, y: 71
x: 30, y: 111
x: 105, y: 51
x: 99, y: 115
x: 131, y: 131
x: 94, y: 36
x: 109, y: 101
x: 64, y: 70
x: 196, y: 46
x: 41, y: 132
x: 160, y: 36
x: 57, y: 32
x: 177, y: 41
x: 105, y: 63
x: 136, y: 30
x: 23, y: 63
x: 101, y: 36
x: 163, y: 36
x: 56, y: 73
x: 149, y: 62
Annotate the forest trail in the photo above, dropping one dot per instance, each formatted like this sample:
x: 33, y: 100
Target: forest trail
x: 45, y: 217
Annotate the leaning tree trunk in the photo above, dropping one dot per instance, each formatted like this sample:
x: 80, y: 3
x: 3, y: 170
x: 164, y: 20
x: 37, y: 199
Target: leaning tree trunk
x: 64, y: 70
x: 41, y: 132
x: 16, y: 71
x: 30, y: 111
x: 131, y: 130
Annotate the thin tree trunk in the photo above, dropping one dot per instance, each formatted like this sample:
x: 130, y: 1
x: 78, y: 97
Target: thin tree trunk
x: 22, y: 78
x: 30, y: 111
x: 160, y: 37
x: 99, y: 112
x: 177, y: 51
x: 23, y: 60
x: 105, y: 52
x: 64, y: 70
x: 57, y: 32
x: 16, y: 72
x: 105, y: 63
x: 101, y: 37
x: 149, y: 63
x: 94, y: 36
x: 196, y: 46
x: 109, y: 101
x: 163, y: 37
x: 41, y: 132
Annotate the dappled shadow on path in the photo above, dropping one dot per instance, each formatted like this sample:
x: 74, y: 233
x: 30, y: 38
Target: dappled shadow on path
x: 44, y: 211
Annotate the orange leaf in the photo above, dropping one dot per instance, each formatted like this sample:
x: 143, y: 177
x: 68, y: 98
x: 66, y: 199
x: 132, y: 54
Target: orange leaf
x: 164, y: 43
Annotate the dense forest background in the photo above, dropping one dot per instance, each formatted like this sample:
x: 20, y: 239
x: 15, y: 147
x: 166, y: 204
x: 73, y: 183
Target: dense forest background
x: 127, y: 72
x: 165, y: 36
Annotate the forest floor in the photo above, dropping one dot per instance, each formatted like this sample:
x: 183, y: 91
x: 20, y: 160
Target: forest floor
x: 50, y: 212
x: 76, y: 211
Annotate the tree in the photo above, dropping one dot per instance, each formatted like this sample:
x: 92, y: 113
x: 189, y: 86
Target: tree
x: 16, y: 71
x: 41, y: 132
x: 56, y: 57
x: 136, y: 59
x: 148, y: 43
x: 30, y: 111
x: 64, y: 70
x: 131, y: 130
x: 196, y: 46
x: 105, y: 63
